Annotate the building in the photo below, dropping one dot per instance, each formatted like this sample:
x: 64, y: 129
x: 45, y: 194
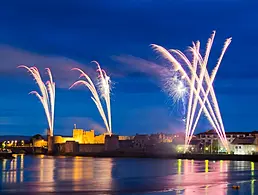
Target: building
x: 140, y: 141
x: 212, y: 144
x: 244, y: 145
x: 161, y: 138
x: 178, y: 143
x: 122, y: 137
x: 195, y: 146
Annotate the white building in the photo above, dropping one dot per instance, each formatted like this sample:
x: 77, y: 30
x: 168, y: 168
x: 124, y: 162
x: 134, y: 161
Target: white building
x: 244, y: 146
x: 211, y: 138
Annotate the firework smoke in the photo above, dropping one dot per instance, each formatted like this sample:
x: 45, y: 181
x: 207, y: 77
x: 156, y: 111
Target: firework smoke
x: 101, y: 91
x: 47, y: 96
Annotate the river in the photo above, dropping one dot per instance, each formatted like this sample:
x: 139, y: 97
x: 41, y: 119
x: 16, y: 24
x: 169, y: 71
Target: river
x: 124, y: 176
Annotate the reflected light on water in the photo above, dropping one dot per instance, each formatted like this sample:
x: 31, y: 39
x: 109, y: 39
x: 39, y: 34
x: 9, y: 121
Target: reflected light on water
x: 46, y: 174
x: 252, y: 168
x: 179, y: 165
x: 11, y: 169
x: 220, y: 166
x: 47, y: 167
x: 253, y: 180
x: 192, y: 166
x: 252, y: 186
x: 77, y: 172
x: 206, y: 166
x: 21, y: 167
x: 89, y: 169
x: 4, y: 170
x: 77, y: 169
x: 210, y: 180
x: 92, y: 174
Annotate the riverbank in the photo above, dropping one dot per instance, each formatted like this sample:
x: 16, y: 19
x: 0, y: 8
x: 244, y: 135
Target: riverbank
x: 215, y: 157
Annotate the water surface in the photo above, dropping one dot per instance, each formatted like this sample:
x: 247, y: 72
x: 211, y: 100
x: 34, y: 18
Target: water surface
x: 99, y: 176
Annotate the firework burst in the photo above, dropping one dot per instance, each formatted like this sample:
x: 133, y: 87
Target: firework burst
x: 47, y: 95
x: 176, y: 88
x: 200, y: 86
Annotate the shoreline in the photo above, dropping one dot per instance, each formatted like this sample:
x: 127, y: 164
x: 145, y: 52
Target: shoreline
x: 214, y: 157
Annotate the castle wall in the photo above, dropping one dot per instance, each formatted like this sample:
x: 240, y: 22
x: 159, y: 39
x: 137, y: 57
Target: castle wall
x: 59, y: 148
x: 82, y: 141
x: 88, y: 148
x: 100, y: 139
x: 78, y: 135
x: 88, y: 137
x: 84, y: 137
x: 61, y: 140
x: 111, y: 143
x: 71, y: 147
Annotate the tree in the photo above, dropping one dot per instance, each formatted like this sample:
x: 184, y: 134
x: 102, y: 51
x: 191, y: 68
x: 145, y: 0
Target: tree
x: 36, y: 137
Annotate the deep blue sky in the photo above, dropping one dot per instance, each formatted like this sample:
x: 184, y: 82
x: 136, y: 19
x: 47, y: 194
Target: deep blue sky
x: 65, y: 34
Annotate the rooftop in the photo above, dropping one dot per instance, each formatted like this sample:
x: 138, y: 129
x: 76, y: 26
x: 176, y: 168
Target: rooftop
x: 244, y: 141
x: 211, y: 132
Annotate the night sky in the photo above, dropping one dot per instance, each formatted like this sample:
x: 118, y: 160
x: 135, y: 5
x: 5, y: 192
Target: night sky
x: 118, y: 34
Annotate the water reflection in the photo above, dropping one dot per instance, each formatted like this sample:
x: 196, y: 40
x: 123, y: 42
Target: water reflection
x: 50, y: 174
x: 12, y: 169
x: 106, y: 175
x: 203, y: 181
x: 47, y: 166
x: 21, y: 167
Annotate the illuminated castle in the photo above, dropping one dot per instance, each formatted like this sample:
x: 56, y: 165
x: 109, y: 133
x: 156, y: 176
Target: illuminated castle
x: 82, y: 137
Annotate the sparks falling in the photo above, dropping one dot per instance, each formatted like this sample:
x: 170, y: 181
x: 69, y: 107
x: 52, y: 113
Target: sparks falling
x: 102, y: 90
x: 176, y: 88
x: 201, y: 87
x: 47, y: 96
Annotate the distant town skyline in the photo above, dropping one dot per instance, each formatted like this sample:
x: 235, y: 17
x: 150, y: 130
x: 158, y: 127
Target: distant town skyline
x: 67, y: 35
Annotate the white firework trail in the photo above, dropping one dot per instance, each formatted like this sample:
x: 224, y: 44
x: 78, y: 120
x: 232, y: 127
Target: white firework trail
x: 47, y: 96
x: 101, y: 91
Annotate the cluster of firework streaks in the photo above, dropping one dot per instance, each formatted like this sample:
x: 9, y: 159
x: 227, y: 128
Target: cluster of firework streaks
x: 101, y: 91
x: 47, y: 96
x: 176, y: 88
x: 198, y: 79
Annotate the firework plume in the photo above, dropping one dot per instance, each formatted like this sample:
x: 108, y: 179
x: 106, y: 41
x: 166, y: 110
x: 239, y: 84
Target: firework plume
x: 46, y: 95
x: 102, y: 90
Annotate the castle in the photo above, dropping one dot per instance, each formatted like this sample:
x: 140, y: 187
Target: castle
x: 82, y: 137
